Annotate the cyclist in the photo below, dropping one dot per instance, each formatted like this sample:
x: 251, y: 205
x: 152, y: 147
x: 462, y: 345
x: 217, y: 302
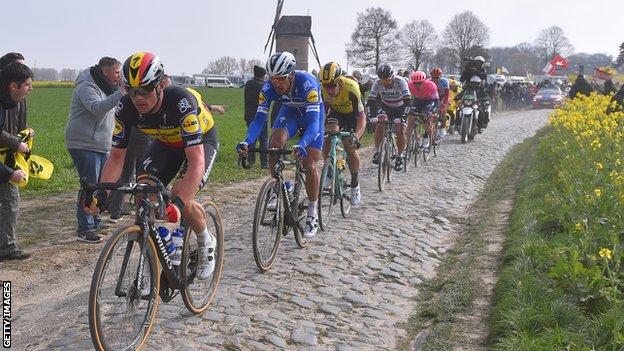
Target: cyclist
x: 341, y: 97
x: 185, y: 144
x: 425, y: 100
x: 444, y: 96
x: 395, y: 100
x: 302, y: 108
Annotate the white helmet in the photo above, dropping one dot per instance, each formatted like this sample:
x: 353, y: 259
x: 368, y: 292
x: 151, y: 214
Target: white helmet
x: 280, y: 64
x: 479, y: 58
x: 475, y: 79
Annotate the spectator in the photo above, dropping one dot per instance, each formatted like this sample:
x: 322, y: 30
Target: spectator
x: 15, y: 84
x: 608, y: 87
x: 619, y: 98
x: 89, y: 132
x: 252, y: 93
x: 580, y: 86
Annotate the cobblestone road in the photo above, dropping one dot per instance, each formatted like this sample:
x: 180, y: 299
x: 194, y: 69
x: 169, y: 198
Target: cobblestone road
x: 353, y: 283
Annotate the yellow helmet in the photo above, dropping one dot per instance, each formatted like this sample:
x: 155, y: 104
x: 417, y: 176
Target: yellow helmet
x: 330, y: 72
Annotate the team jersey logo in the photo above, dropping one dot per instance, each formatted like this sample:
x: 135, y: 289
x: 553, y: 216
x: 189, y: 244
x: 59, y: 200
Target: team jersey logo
x: 119, y: 129
x: 119, y: 107
x: 312, y: 96
x: 261, y: 98
x: 190, y: 124
x: 184, y: 105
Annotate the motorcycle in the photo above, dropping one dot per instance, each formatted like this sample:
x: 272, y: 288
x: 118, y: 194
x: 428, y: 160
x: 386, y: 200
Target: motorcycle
x: 468, y: 115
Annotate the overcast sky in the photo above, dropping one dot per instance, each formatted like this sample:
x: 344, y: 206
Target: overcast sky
x: 189, y: 34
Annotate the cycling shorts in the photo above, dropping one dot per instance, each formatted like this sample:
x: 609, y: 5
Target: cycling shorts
x: 346, y: 122
x: 292, y: 120
x: 392, y: 112
x: 164, y: 162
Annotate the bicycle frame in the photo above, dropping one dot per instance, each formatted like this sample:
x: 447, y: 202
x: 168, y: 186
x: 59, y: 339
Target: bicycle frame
x: 334, y: 139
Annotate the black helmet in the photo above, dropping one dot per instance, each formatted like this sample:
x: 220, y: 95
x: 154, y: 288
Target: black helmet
x: 384, y: 71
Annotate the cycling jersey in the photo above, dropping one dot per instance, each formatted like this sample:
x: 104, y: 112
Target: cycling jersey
x: 182, y: 120
x: 428, y: 90
x: 393, y: 96
x: 443, y: 90
x: 348, y: 100
x: 302, y: 107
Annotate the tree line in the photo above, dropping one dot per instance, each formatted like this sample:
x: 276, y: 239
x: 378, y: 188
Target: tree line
x: 377, y: 39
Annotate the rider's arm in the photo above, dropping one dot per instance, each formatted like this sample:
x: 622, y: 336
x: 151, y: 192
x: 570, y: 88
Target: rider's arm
x: 407, y: 103
x: 264, y: 103
x: 312, y: 117
x: 113, y: 166
x: 189, y: 184
x: 121, y: 135
x: 361, y: 125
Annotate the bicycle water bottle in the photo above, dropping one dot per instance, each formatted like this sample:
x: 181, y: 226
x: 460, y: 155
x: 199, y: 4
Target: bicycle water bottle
x: 166, y: 238
x: 289, y: 190
x: 177, y: 237
x: 340, y: 161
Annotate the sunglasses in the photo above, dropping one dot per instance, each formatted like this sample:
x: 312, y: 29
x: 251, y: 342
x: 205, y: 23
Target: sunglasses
x: 141, y: 91
x: 279, y: 79
x: 330, y: 86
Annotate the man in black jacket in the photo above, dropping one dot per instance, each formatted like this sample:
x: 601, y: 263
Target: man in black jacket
x: 252, y: 93
x: 15, y: 84
x: 580, y: 86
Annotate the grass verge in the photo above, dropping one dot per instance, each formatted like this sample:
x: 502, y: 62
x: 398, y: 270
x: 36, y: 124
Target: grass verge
x: 451, y: 309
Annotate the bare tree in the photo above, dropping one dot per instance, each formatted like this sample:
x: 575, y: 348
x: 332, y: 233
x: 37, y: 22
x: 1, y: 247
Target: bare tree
x: 374, y: 39
x: 552, y: 41
x: 45, y: 74
x: 225, y: 65
x: 443, y: 58
x: 464, y: 32
x: 67, y: 74
x: 242, y: 65
x: 619, y: 61
x: 419, y: 39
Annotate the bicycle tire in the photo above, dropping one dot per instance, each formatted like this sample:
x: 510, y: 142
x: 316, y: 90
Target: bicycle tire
x: 345, y: 200
x: 194, y: 288
x: 391, y: 154
x: 301, y: 211
x: 326, y: 197
x: 100, y: 336
x: 381, y: 166
x: 275, y: 224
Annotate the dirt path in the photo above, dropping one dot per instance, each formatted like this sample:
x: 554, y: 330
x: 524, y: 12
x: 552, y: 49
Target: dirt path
x: 346, y: 291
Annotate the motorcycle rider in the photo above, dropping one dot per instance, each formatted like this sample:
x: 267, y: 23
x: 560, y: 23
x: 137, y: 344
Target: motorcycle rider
x: 476, y: 67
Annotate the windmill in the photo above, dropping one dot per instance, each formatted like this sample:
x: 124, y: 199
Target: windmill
x: 292, y: 34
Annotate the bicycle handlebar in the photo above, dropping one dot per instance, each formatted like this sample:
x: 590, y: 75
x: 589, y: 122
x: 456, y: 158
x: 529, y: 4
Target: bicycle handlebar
x: 242, y: 159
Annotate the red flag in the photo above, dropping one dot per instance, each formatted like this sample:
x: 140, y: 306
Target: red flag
x: 559, y: 61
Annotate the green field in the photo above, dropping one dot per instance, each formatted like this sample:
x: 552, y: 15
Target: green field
x: 48, y: 110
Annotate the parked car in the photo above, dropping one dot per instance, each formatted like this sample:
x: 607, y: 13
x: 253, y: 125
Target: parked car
x: 551, y: 97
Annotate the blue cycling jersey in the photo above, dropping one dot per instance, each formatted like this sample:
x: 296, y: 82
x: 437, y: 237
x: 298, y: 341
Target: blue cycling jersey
x: 304, y: 103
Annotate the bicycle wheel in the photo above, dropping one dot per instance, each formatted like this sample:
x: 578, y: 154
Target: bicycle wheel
x: 268, y: 224
x: 199, y: 293
x: 391, y: 154
x: 381, y: 167
x: 345, y: 198
x: 327, y: 191
x: 120, y: 315
x: 301, y: 199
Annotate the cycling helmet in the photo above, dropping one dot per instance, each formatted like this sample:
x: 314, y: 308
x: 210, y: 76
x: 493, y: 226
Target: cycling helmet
x: 384, y: 71
x: 280, y: 64
x: 475, y: 79
x: 436, y: 72
x: 418, y: 77
x: 330, y: 72
x: 142, y: 69
x: 480, y: 59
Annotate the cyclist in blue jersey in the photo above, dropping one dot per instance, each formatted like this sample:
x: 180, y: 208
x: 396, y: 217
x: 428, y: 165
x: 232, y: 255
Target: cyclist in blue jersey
x: 302, y: 109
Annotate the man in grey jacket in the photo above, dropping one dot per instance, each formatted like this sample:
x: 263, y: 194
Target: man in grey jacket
x: 89, y: 131
x: 15, y: 84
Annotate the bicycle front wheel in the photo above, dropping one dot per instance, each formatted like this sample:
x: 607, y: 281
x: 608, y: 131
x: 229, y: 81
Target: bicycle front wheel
x: 120, y: 314
x: 199, y: 293
x: 381, y: 167
x: 268, y: 224
x: 345, y: 200
x: 327, y: 191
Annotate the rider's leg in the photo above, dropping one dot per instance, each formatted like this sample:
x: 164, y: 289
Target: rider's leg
x: 399, y: 131
x: 379, y: 132
x: 410, y: 126
x: 279, y: 137
x: 330, y: 127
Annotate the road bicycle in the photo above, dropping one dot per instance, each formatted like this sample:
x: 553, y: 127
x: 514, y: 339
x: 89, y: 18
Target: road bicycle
x: 279, y: 208
x: 388, y: 152
x: 334, y: 187
x: 134, y: 270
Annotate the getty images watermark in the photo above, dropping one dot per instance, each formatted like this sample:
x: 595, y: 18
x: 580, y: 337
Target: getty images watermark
x: 6, y: 314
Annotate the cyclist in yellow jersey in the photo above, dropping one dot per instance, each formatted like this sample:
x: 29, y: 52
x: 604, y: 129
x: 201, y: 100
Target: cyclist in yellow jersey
x: 185, y: 145
x: 345, y: 112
